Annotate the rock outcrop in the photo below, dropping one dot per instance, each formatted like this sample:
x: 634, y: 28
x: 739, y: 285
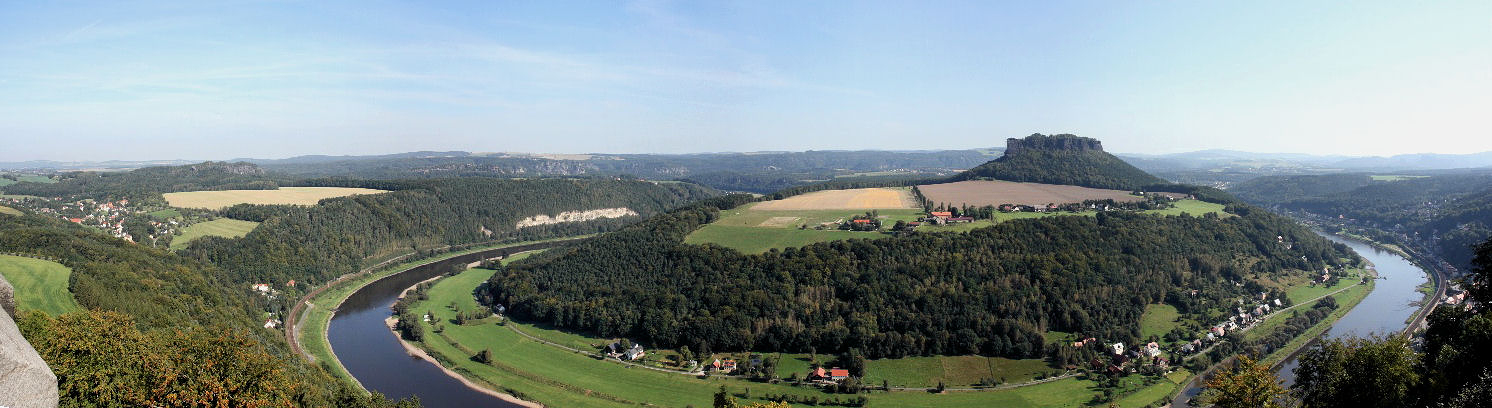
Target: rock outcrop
x: 1039, y: 141
x: 25, y: 380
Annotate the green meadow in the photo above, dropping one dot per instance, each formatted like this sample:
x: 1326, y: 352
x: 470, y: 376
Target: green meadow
x: 1159, y: 320
x: 39, y: 285
x: 165, y: 214
x: 222, y: 227
x: 8, y: 210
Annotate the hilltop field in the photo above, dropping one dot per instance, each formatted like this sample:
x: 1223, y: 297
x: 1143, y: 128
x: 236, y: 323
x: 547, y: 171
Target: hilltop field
x: 815, y: 217
x: 222, y: 227
x: 853, y: 199
x: 997, y: 192
x: 219, y: 199
x: 39, y: 284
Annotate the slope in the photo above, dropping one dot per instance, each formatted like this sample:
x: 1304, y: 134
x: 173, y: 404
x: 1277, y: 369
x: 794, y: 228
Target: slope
x: 1061, y: 159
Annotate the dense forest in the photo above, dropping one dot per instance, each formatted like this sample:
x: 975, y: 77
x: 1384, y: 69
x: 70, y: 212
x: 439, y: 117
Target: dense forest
x: 150, y: 182
x: 1447, y: 212
x: 161, y: 330
x: 1061, y: 159
x: 992, y: 291
x: 341, y: 235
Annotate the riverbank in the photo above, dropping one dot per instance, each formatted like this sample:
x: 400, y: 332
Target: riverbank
x: 420, y: 353
x: 308, y: 332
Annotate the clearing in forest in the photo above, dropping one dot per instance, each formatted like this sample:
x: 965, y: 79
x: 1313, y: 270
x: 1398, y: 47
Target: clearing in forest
x: 212, y: 200
x: 980, y: 193
x: 222, y: 227
x: 39, y: 284
x: 854, y: 199
x: 8, y: 210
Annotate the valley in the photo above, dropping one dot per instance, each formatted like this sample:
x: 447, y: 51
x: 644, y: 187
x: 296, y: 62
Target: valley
x: 785, y: 297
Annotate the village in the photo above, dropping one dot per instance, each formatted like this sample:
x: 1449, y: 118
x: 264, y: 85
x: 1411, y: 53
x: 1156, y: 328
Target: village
x: 132, y: 221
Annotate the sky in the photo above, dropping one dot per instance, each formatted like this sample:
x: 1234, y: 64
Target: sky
x: 216, y: 80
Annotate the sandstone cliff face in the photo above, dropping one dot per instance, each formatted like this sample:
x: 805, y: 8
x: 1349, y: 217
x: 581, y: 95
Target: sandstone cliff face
x: 1054, y: 142
x: 25, y: 380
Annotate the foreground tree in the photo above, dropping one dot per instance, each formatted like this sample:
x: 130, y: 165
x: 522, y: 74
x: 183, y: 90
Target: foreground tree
x: 1374, y: 372
x: 1249, y: 385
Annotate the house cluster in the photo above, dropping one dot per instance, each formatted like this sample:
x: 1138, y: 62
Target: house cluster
x: 943, y: 217
x: 109, y: 216
x: 1245, y: 316
x: 1454, y: 295
x: 1123, y: 359
x: 616, y: 351
x: 267, y: 291
x: 829, y: 375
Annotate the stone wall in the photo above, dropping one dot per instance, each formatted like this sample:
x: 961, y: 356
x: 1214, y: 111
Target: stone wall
x: 25, y: 380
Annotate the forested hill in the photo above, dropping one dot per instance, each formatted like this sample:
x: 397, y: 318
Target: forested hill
x: 162, y: 330
x: 1062, y: 159
x: 150, y: 182
x: 341, y: 235
x: 991, y: 291
x: 1445, y: 213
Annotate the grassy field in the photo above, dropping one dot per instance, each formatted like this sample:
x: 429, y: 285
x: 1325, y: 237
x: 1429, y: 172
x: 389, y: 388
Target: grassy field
x: 753, y: 230
x: 1158, y: 320
x: 222, y: 227
x: 1307, y: 290
x: 212, y: 200
x: 165, y: 214
x: 1149, y: 395
x: 8, y: 210
x: 26, y: 177
x: 954, y: 371
x: 39, y: 285
x: 1193, y: 207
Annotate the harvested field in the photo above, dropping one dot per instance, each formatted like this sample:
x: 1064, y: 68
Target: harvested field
x: 994, y: 192
x: 856, y: 199
x: 213, y: 200
x: 778, y: 222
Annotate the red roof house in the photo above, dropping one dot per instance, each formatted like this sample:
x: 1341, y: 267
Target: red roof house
x: 944, y: 214
x: 837, y: 374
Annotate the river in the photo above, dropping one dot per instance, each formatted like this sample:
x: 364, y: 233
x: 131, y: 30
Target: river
x: 369, y: 350
x: 1385, y: 309
x: 372, y: 354
x: 1383, y: 312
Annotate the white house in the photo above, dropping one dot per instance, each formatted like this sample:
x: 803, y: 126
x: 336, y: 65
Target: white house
x: 635, y: 352
x: 1118, y: 348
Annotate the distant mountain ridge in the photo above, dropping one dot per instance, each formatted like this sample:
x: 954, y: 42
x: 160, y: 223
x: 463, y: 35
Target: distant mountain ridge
x: 1061, y: 159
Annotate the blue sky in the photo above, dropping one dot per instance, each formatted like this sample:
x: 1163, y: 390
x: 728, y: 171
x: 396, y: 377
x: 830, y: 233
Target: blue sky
x: 217, y: 80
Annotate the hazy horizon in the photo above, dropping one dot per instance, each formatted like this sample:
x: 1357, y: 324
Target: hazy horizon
x: 208, y: 80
